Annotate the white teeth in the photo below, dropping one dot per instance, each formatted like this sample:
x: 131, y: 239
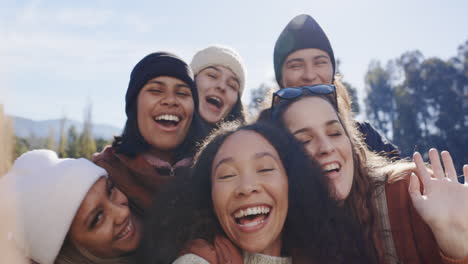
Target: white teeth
x: 252, y: 223
x: 215, y: 98
x: 331, y: 166
x: 167, y: 117
x: 252, y: 211
x: 126, y: 230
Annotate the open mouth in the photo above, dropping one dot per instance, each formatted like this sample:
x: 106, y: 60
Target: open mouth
x: 332, y: 167
x: 252, y: 216
x: 126, y: 231
x: 215, y: 101
x: 167, y: 120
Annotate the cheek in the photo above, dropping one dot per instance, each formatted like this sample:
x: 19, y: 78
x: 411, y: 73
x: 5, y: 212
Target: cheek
x: 218, y: 196
x: 290, y: 78
x: 189, y: 106
x: 203, y: 84
x: 231, y: 100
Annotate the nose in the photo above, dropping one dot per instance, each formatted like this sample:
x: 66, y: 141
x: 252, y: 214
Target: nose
x: 221, y: 85
x: 247, y: 186
x: 309, y: 76
x: 170, y: 100
x: 324, y: 147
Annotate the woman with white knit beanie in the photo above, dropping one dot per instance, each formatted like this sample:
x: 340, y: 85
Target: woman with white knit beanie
x: 220, y: 78
x: 67, y: 211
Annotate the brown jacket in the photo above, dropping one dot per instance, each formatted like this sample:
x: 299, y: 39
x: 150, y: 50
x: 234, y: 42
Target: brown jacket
x: 135, y: 177
x: 413, y: 239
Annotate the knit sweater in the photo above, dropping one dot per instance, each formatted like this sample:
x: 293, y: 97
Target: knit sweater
x: 249, y: 258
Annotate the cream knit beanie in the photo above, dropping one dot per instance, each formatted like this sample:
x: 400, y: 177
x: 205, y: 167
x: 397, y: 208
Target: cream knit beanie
x: 47, y: 192
x: 220, y: 55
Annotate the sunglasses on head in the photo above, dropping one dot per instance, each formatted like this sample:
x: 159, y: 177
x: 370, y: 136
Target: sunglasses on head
x: 293, y: 93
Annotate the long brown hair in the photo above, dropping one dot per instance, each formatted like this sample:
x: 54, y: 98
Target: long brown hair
x: 371, y: 172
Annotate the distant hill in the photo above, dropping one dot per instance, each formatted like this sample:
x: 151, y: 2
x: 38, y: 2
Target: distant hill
x: 26, y: 127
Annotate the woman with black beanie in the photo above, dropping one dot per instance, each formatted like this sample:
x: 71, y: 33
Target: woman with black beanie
x: 161, y: 130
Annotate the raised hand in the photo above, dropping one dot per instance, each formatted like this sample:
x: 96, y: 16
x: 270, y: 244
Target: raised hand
x: 443, y: 204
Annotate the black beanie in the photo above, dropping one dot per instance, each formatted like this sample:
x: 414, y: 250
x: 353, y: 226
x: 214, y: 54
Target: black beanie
x: 302, y: 32
x: 154, y: 65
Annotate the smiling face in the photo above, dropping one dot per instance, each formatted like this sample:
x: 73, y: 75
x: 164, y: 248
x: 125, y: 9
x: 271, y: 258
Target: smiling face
x: 218, y: 89
x: 165, y: 111
x: 104, y: 224
x: 324, y: 138
x: 307, y: 67
x: 250, y: 192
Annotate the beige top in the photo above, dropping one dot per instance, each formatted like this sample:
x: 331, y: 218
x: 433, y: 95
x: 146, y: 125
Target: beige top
x: 249, y: 258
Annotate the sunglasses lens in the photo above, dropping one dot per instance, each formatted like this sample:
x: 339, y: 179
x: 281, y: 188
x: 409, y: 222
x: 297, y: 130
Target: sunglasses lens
x: 321, y: 89
x: 289, y: 93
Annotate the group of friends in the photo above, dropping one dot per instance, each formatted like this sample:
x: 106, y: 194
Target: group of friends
x: 189, y: 181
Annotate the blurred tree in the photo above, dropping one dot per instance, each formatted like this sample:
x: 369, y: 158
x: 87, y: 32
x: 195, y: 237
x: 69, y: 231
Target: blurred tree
x: 87, y: 143
x: 21, y: 146
x: 6, y: 142
x: 380, y: 101
x: 427, y: 106
x: 73, y: 150
x: 354, y: 97
x: 260, y: 98
x: 51, y: 139
x: 62, y: 147
x: 101, y: 143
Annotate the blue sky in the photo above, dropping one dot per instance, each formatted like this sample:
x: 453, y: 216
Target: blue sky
x: 55, y: 55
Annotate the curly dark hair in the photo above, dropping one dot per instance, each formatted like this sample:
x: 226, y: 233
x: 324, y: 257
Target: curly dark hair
x: 317, y: 228
x: 362, y: 197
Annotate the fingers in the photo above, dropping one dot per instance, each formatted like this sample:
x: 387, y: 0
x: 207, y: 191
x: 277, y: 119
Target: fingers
x: 414, y: 188
x: 448, y: 165
x: 435, y: 164
x: 421, y: 169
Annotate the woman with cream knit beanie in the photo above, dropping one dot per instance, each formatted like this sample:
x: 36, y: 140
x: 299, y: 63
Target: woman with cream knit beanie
x: 67, y: 211
x: 220, y: 78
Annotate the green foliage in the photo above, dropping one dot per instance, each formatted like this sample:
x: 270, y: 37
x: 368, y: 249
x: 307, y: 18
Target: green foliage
x: 421, y: 103
x: 74, y: 149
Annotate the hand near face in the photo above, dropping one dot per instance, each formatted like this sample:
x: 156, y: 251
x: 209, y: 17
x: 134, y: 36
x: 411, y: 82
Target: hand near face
x: 443, y: 202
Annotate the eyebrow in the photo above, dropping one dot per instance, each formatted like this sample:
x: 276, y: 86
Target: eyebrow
x: 218, y: 70
x: 294, y: 60
x: 179, y: 85
x: 305, y: 129
x: 156, y: 82
x: 214, y: 68
x: 225, y: 160
x: 302, y: 59
x: 256, y: 156
x: 264, y: 154
x: 320, y: 57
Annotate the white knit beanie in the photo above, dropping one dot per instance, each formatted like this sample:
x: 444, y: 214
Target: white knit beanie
x: 47, y: 192
x: 220, y: 55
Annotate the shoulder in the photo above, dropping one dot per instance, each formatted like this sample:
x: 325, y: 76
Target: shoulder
x: 190, y: 258
x: 221, y: 251
x: 105, y: 156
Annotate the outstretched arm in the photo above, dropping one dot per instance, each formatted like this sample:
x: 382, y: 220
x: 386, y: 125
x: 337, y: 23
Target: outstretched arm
x: 443, y: 203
